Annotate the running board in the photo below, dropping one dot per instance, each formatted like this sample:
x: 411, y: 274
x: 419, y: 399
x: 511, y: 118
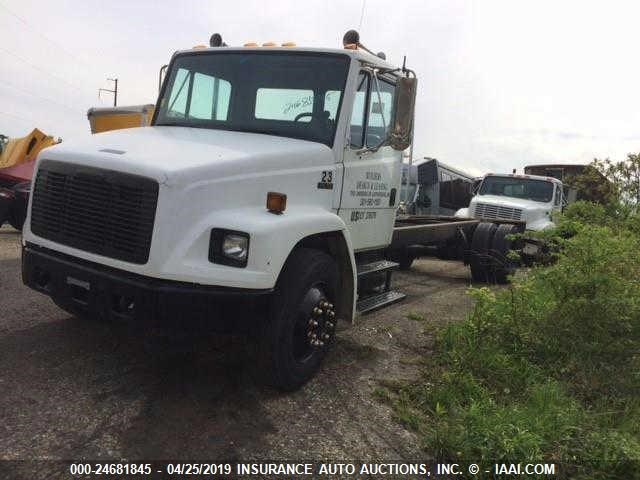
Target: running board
x: 365, y: 269
x: 379, y: 300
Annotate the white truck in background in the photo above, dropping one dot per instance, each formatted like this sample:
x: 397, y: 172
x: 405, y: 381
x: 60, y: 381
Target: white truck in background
x: 530, y: 199
x: 261, y: 199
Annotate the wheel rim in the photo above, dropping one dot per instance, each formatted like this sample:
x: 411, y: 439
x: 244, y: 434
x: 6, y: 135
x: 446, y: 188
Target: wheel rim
x: 315, y: 324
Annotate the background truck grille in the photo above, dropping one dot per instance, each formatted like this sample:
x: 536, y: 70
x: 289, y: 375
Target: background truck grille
x: 99, y: 211
x: 484, y: 210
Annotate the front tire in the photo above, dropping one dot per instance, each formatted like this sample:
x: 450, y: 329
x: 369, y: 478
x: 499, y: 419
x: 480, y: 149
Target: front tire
x: 302, y: 322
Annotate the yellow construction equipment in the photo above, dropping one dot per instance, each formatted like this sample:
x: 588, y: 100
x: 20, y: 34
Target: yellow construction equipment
x: 15, y: 151
x: 115, y: 118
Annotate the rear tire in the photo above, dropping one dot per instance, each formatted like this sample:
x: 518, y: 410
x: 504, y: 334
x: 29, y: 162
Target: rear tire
x: 501, y: 246
x: 307, y: 284
x: 480, y: 244
x: 403, y: 257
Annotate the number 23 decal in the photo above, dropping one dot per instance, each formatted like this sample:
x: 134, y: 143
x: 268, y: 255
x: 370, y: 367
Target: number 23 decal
x: 326, y: 182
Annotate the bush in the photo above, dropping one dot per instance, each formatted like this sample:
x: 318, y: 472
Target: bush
x: 548, y: 370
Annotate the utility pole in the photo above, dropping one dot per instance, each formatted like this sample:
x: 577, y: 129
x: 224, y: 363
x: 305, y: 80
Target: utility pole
x: 114, y: 91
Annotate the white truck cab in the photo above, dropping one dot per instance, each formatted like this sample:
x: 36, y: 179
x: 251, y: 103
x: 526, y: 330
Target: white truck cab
x: 259, y: 198
x: 529, y: 199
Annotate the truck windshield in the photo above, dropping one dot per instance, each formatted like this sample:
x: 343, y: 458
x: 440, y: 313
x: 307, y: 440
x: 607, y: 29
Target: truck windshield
x: 526, y: 188
x: 291, y: 94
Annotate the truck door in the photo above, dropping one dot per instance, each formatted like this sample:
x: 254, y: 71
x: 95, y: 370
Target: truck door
x: 370, y: 188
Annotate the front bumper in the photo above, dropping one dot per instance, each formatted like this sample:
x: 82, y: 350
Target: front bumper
x: 89, y: 289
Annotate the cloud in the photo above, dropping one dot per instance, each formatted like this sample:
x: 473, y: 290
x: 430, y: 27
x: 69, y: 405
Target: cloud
x: 501, y: 84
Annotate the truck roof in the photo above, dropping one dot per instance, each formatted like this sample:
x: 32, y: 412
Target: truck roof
x: 358, y: 54
x: 519, y: 175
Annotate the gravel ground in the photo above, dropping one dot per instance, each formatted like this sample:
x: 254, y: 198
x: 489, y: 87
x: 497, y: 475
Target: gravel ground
x: 82, y: 390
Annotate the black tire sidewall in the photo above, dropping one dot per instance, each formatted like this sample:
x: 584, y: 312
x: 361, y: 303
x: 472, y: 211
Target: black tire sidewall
x: 481, y: 243
x: 502, y: 245
x: 303, y: 269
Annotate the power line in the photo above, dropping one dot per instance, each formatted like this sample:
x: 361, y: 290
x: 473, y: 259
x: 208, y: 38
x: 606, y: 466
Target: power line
x: 38, y: 31
x: 16, y: 116
x: 40, y: 69
x: 66, y: 107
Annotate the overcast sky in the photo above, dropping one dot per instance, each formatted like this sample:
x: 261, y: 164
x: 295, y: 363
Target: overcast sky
x: 502, y: 84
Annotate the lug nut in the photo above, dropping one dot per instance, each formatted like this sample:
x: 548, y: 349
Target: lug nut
x: 317, y: 311
x: 330, y: 325
x: 326, y: 336
x: 331, y: 314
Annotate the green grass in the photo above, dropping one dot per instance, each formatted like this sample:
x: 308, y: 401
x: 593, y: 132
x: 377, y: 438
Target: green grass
x: 415, y: 316
x: 546, y: 371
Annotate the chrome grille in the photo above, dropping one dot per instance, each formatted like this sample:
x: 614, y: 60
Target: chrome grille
x: 484, y: 210
x: 100, y: 211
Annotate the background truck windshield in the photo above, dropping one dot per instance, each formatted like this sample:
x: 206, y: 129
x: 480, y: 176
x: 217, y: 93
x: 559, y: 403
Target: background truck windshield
x: 526, y: 188
x: 292, y: 94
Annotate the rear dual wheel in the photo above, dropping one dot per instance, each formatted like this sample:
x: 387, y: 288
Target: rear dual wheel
x: 480, y: 245
x: 402, y: 256
x: 490, y: 262
x: 501, y: 246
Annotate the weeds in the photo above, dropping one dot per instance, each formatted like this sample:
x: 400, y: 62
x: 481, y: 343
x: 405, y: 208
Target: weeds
x: 548, y: 370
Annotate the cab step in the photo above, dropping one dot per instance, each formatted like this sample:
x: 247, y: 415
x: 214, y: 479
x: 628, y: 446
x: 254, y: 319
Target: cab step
x: 378, y: 266
x: 379, y: 300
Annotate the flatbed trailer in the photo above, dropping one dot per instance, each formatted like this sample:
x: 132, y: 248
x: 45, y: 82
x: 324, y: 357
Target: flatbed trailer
x: 429, y: 230
x: 483, y: 245
x: 413, y: 236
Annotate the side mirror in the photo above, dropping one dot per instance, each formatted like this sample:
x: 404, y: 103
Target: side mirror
x: 400, y: 137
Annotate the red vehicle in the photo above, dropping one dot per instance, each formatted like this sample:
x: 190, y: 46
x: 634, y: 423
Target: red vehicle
x: 15, y: 185
x: 15, y: 180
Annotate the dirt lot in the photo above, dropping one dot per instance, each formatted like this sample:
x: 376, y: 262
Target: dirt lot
x: 73, y: 389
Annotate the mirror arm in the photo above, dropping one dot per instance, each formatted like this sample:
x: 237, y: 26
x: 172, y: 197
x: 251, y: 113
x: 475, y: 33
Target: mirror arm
x: 366, y: 150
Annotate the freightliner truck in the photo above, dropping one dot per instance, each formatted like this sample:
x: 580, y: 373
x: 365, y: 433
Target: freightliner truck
x: 262, y: 199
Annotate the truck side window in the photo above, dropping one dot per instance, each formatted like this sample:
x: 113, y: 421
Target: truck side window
x: 331, y: 102
x: 558, y: 198
x: 380, y: 112
x: 359, y: 110
x: 209, y: 98
x: 179, y: 94
x: 285, y: 104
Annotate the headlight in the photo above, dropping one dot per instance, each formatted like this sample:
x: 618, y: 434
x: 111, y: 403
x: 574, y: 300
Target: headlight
x: 235, y: 246
x: 228, y: 247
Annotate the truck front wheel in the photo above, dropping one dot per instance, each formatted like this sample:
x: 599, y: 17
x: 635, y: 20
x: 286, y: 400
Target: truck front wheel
x: 303, y: 320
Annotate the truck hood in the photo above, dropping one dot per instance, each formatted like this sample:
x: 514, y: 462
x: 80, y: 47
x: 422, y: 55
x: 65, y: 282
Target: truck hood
x: 510, y: 202
x: 174, y: 155
x: 536, y: 215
